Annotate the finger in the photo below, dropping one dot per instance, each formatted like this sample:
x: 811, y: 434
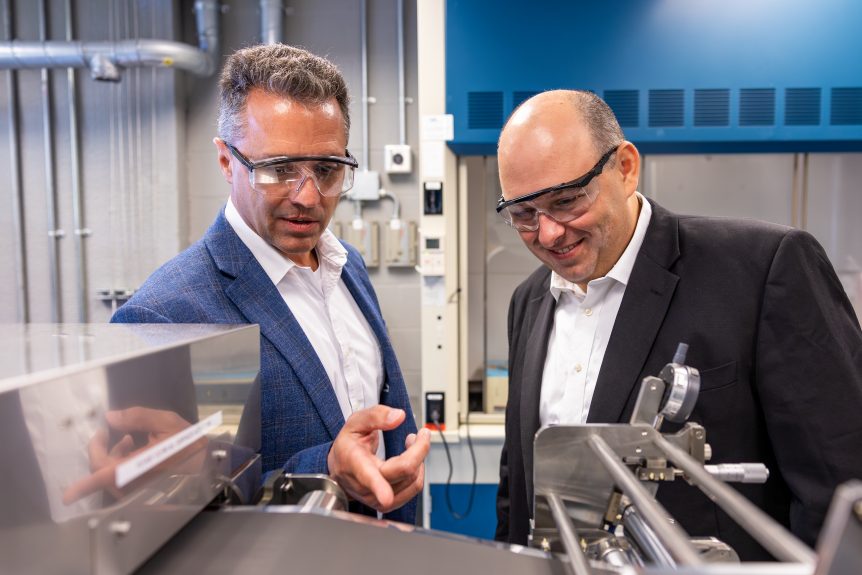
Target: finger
x: 409, y: 491
x: 411, y: 439
x: 404, y: 465
x: 374, y: 418
x: 145, y: 419
x: 123, y: 447
x: 97, y: 449
x: 101, y: 479
x: 368, y: 475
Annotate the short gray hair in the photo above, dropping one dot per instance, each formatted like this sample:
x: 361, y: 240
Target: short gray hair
x: 282, y: 70
x: 600, y: 120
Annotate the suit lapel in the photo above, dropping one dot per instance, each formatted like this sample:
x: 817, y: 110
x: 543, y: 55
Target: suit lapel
x: 259, y: 301
x: 647, y: 297
x: 542, y: 309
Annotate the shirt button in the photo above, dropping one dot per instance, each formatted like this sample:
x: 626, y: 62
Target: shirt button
x: 578, y: 367
x: 588, y: 311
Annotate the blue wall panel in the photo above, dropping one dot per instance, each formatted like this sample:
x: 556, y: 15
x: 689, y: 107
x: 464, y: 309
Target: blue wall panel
x: 480, y: 522
x: 773, y: 59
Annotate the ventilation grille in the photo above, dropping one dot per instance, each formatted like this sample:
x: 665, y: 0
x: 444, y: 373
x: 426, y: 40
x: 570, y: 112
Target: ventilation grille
x: 712, y: 107
x: 518, y: 98
x: 757, y: 107
x: 665, y: 108
x: 846, y: 107
x: 802, y: 107
x: 626, y: 106
x: 484, y: 110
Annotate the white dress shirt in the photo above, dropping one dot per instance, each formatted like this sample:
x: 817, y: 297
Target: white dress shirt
x: 327, y: 313
x: 583, y: 322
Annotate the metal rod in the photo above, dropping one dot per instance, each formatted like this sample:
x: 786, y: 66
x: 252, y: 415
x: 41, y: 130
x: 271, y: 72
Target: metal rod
x: 775, y: 538
x: 645, y: 538
x: 668, y: 534
x: 363, y: 39
x: 577, y: 564
x: 16, y: 190
x: 54, y: 233
x: 402, y: 102
x: 80, y: 231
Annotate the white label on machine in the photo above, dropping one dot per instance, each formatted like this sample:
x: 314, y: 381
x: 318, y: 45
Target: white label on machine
x: 130, y: 470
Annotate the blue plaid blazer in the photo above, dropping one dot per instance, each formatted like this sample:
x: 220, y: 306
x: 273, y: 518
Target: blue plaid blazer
x: 218, y: 280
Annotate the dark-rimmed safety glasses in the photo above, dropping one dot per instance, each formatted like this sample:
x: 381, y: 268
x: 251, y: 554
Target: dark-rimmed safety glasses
x: 282, y: 176
x: 562, y: 203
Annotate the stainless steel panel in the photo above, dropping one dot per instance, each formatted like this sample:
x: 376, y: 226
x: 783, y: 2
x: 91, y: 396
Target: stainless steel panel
x: 112, y: 451
x: 247, y: 540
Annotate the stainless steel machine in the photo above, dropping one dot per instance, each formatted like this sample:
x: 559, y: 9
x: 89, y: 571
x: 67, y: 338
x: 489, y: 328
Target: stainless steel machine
x: 133, y: 449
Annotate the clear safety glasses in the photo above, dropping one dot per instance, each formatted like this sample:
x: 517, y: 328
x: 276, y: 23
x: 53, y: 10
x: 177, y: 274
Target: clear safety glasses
x: 282, y: 176
x: 562, y: 203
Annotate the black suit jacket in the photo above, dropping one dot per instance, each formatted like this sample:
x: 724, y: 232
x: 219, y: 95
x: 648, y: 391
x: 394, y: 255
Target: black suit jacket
x: 779, y: 351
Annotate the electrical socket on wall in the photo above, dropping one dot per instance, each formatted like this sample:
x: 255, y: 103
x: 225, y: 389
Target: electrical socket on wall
x: 397, y: 159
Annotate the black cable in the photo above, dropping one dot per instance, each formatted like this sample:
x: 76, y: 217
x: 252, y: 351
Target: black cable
x: 455, y: 514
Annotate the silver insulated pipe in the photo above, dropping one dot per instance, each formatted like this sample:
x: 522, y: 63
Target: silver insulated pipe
x: 271, y: 28
x: 106, y: 59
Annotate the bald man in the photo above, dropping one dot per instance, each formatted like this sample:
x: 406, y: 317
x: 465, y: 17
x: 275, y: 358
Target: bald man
x: 623, y: 281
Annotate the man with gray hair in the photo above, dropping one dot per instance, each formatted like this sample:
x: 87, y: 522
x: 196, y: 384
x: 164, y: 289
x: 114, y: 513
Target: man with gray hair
x: 333, y: 399
x: 624, y: 281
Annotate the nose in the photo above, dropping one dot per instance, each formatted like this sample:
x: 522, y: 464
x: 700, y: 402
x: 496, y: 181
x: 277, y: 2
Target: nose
x: 307, y: 193
x: 549, y: 230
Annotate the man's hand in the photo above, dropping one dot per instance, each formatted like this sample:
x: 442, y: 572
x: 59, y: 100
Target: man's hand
x: 354, y: 465
x: 157, y: 424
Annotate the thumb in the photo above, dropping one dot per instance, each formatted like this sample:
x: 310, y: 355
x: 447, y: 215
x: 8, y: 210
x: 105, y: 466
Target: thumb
x: 374, y: 418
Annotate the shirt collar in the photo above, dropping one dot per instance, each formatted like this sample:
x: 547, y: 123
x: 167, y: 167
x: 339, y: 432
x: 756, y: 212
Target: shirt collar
x: 622, y: 270
x: 276, y: 265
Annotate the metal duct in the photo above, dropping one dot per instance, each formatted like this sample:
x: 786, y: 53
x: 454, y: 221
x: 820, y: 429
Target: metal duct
x: 104, y: 59
x: 271, y: 23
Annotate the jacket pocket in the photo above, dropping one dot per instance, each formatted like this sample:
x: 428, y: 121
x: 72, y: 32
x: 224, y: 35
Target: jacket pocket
x: 718, y: 377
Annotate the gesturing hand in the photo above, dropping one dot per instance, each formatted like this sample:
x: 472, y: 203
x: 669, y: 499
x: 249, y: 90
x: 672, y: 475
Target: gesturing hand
x: 353, y: 462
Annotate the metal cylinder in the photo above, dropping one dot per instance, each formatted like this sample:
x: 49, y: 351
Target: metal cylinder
x: 645, y: 538
x: 739, y: 472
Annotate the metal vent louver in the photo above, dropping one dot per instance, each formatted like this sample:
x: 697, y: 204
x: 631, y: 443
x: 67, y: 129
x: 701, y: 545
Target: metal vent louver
x: 665, y: 108
x: 712, y: 107
x: 484, y: 110
x: 757, y: 107
x: 846, y: 107
x: 802, y: 107
x: 626, y: 106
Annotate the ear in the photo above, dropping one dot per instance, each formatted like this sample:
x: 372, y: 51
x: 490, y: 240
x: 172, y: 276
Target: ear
x: 224, y: 157
x: 629, y: 166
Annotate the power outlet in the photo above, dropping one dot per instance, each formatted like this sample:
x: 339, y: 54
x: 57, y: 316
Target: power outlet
x: 435, y: 411
x: 397, y: 159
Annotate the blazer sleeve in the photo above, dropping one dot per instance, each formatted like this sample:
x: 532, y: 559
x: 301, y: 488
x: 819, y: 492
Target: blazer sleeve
x: 131, y: 313
x: 809, y: 377
x: 310, y: 460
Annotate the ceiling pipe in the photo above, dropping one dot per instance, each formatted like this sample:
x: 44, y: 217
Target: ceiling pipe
x: 271, y: 22
x: 107, y: 59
